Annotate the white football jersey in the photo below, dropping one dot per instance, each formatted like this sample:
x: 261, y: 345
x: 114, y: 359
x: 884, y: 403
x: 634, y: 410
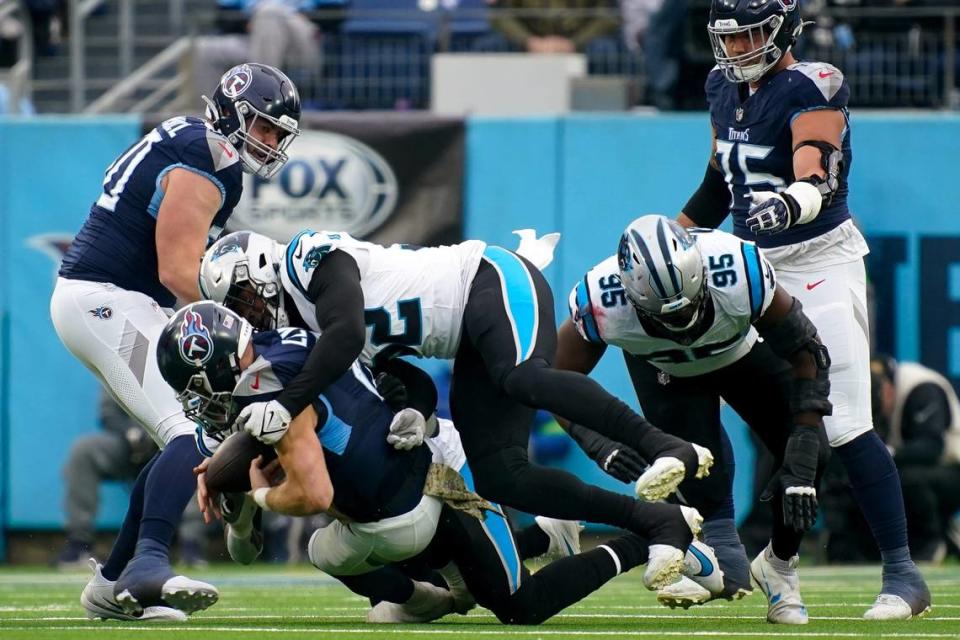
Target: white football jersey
x: 413, y: 297
x: 741, y: 283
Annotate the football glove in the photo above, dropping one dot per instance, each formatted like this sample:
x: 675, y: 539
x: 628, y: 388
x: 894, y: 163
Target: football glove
x: 618, y: 460
x: 797, y: 479
x: 265, y: 421
x: 772, y: 212
x: 392, y: 390
x: 407, y: 430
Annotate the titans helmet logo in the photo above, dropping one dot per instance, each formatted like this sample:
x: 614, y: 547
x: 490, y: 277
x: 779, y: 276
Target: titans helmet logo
x: 788, y: 5
x: 236, y: 81
x: 195, y: 341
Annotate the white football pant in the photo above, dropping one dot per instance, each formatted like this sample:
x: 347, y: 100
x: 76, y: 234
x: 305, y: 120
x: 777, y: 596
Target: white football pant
x: 827, y: 275
x: 114, y: 333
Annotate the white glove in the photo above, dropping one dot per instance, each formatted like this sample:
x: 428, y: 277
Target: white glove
x: 265, y: 421
x: 407, y: 429
x: 539, y: 251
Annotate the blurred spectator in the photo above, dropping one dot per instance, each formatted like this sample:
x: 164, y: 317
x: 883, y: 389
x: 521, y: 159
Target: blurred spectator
x: 561, y: 26
x: 11, y: 29
x: 44, y: 17
x: 273, y: 32
x: 917, y: 413
x: 636, y: 16
x: 118, y: 452
x: 664, y: 50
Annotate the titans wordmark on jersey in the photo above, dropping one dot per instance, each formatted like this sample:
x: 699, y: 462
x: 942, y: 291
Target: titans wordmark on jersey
x: 741, y: 284
x: 371, y: 479
x: 755, y: 141
x: 413, y: 297
x: 117, y: 242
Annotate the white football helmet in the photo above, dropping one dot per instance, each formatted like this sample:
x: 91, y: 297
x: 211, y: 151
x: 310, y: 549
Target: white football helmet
x: 240, y: 272
x: 662, y: 272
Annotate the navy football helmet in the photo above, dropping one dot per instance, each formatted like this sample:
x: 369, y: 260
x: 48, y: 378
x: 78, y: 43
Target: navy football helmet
x: 248, y: 95
x: 199, y: 356
x: 772, y: 27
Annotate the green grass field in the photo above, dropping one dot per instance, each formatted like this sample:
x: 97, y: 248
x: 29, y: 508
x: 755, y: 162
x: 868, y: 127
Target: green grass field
x: 301, y: 602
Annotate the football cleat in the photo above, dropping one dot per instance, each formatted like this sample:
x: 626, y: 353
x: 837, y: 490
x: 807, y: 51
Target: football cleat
x: 905, y: 595
x: 778, y: 579
x: 702, y: 579
x: 98, y: 601
x: 564, y: 536
x: 666, y: 560
x: 463, y: 600
x: 890, y: 607
x: 428, y: 602
x: 666, y: 473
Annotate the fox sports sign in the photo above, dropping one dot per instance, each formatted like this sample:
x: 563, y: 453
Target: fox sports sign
x: 330, y: 182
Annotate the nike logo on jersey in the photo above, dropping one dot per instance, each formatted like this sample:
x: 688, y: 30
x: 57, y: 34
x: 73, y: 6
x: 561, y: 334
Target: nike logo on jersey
x: 226, y: 149
x: 255, y: 385
x: 826, y: 74
x: 814, y: 285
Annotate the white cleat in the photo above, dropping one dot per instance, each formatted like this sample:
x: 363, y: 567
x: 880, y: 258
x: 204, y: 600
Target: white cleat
x: 462, y: 598
x: 663, y: 477
x: 428, y: 602
x: 564, y: 536
x: 665, y: 563
x: 189, y: 595
x: 778, y: 579
x: 702, y: 579
x: 891, y: 607
x: 98, y: 601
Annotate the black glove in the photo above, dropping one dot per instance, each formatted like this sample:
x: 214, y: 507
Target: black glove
x: 393, y: 391
x: 618, y: 460
x: 797, y: 479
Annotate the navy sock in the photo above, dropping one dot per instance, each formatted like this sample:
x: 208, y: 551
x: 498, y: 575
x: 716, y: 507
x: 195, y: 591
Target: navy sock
x: 126, y: 542
x: 386, y: 583
x: 170, y: 486
x: 876, y: 487
x: 725, y: 511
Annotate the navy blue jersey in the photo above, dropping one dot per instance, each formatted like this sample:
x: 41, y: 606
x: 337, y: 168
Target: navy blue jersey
x: 755, y: 142
x: 371, y: 479
x: 117, y: 243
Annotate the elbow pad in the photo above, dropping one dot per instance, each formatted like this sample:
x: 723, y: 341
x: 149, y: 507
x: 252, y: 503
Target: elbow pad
x: 710, y: 203
x: 813, y: 192
x: 795, y: 333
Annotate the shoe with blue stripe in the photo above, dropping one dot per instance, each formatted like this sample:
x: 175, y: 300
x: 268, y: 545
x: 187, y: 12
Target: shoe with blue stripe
x: 564, y: 536
x: 778, y: 579
x: 702, y: 579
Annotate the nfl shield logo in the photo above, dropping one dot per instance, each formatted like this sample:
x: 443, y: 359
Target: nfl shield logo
x: 739, y: 114
x: 663, y: 378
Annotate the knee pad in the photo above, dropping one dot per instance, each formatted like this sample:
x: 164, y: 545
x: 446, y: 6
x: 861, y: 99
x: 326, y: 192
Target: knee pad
x: 522, y: 382
x: 522, y: 607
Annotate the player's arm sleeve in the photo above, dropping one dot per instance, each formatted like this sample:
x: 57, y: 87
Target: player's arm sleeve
x: 926, y: 418
x: 826, y: 88
x: 760, y: 278
x: 710, y: 203
x: 338, y: 299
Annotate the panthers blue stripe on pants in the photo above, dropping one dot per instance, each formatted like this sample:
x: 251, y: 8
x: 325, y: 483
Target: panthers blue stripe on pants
x: 497, y: 529
x: 519, y: 299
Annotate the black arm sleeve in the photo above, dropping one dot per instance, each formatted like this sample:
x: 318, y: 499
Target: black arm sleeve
x: 710, y: 203
x: 926, y: 418
x: 421, y: 391
x: 338, y: 298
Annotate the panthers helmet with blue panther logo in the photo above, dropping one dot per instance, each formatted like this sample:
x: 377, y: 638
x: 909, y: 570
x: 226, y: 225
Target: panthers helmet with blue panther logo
x: 198, y: 354
x: 772, y: 26
x: 662, y: 272
x: 248, y: 94
x: 240, y: 271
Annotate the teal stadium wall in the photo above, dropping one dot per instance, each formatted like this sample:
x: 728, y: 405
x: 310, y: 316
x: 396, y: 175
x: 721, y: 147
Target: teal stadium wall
x: 585, y: 176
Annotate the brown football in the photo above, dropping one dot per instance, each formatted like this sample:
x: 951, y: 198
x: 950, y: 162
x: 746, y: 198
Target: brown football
x: 229, y: 469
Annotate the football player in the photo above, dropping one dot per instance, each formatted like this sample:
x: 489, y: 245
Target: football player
x: 779, y: 165
x: 387, y: 500
x: 687, y: 310
x: 163, y: 201
x: 490, y: 310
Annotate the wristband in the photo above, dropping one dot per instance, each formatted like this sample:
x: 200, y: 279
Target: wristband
x: 260, y: 497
